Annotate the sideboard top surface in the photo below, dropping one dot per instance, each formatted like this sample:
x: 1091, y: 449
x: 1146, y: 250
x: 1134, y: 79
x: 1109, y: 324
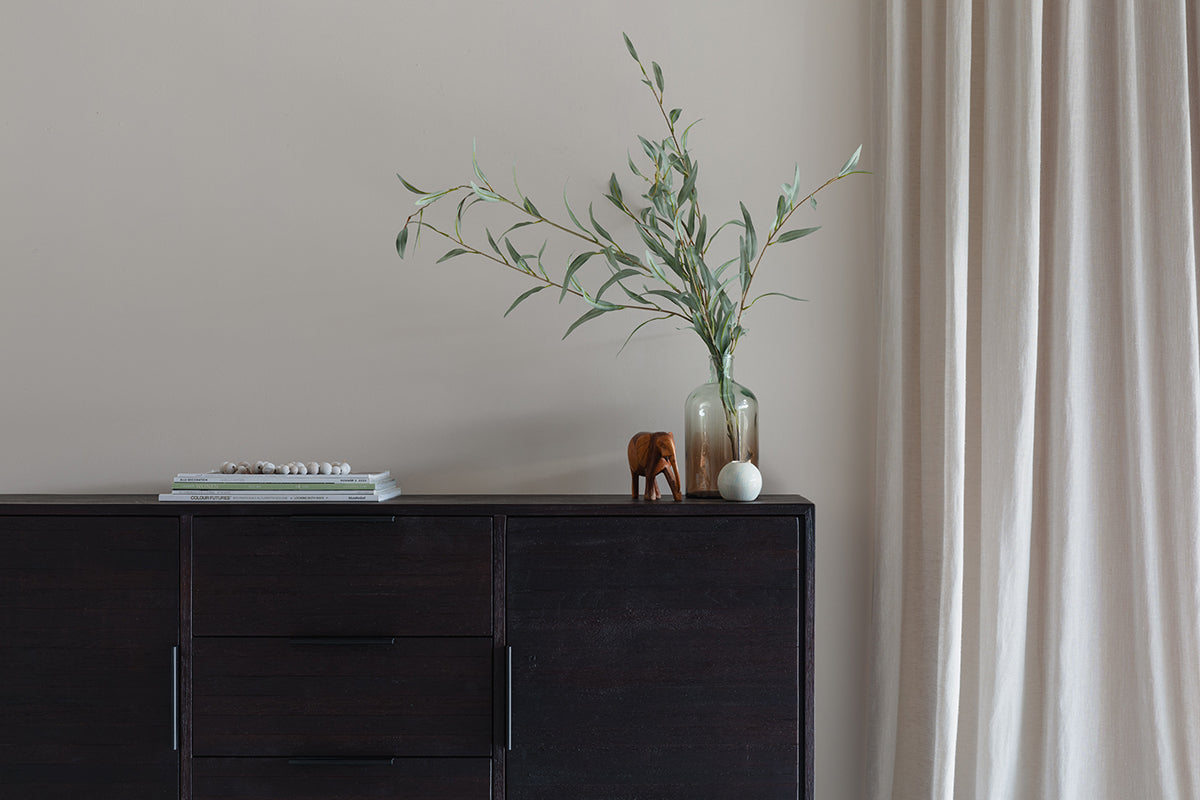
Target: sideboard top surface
x: 460, y: 504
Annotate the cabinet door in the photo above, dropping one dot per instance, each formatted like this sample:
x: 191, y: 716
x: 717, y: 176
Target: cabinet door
x: 654, y: 658
x: 89, y: 613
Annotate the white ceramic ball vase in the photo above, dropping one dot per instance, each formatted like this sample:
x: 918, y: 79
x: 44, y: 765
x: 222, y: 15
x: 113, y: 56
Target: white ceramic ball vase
x: 739, y: 481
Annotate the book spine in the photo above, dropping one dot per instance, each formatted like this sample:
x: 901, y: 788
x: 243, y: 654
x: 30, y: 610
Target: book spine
x: 274, y: 497
x: 205, y: 486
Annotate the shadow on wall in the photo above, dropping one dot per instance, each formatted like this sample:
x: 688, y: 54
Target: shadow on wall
x: 539, y: 452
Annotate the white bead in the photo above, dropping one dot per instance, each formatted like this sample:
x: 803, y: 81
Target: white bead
x: 228, y: 468
x: 313, y: 468
x: 301, y: 469
x: 345, y: 468
x: 283, y: 469
x: 242, y: 469
x: 326, y: 468
x: 268, y: 468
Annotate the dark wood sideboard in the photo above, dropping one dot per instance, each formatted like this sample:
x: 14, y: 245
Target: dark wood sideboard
x: 434, y: 648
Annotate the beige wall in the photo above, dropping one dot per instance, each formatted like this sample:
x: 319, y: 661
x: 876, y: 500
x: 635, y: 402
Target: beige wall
x: 196, y: 258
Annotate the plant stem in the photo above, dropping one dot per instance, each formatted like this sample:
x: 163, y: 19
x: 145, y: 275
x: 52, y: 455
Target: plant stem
x: 549, y: 282
x: 742, y: 306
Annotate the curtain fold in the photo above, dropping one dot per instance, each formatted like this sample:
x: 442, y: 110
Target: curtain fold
x: 1036, y: 600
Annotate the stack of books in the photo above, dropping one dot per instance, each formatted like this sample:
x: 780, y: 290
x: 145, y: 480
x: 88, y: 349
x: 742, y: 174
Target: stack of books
x: 218, y: 487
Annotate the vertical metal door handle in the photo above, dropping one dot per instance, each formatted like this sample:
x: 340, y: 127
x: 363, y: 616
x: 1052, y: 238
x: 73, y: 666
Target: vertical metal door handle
x: 508, y: 698
x: 175, y: 698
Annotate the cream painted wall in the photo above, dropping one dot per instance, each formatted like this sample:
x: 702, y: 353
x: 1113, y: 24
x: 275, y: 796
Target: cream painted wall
x: 196, y: 258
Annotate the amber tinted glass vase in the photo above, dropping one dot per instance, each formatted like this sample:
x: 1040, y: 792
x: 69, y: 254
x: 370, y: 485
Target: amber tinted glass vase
x: 718, y: 431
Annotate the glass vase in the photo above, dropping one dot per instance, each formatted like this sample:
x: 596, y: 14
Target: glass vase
x: 720, y: 424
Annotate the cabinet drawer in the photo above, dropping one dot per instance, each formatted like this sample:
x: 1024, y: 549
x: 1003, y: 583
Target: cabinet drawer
x: 344, y: 779
x: 342, y: 576
x: 348, y: 697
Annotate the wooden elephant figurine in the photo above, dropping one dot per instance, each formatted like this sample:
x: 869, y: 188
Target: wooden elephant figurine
x: 650, y: 454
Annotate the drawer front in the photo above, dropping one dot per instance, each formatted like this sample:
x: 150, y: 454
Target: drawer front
x: 341, y: 779
x: 348, y: 697
x: 370, y: 575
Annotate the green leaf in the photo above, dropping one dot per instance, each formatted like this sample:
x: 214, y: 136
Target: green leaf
x: 776, y: 294
x: 633, y: 167
x: 629, y: 45
x: 524, y: 224
x: 639, y: 327
x: 658, y: 76
x: 425, y: 200
x: 512, y: 251
x: 781, y: 209
x: 629, y: 261
x: 574, y: 266
x: 462, y: 209
x: 516, y: 185
x: 721, y: 270
x: 751, y: 236
x: 790, y: 191
x: 797, y: 234
x: 596, y: 225
x: 674, y: 115
x: 409, y: 186
x: 652, y: 242
x: 813, y: 200
x: 524, y: 296
x: 541, y: 268
x: 458, y: 251
x: 614, y: 189
x: 654, y: 269
x: 492, y: 242
x: 689, y: 183
x: 616, y: 278
x: 475, y: 163
x: 632, y: 295
x: 531, y: 208
x: 851, y: 162
x: 603, y: 305
x: 683, y: 139
x: 402, y: 240
x: 675, y: 297
x: 574, y: 219
x: 744, y: 263
x: 700, y: 234
x: 590, y: 315
x: 485, y: 194
x: 651, y: 151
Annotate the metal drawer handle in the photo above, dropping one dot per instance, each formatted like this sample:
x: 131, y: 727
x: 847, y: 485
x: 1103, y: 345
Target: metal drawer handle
x: 175, y: 697
x: 343, y: 640
x: 508, y: 701
x: 342, y: 762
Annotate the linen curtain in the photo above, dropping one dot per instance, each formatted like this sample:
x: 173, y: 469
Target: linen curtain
x: 1036, y: 596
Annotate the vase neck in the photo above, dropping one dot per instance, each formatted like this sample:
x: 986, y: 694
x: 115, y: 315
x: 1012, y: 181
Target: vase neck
x: 718, y: 366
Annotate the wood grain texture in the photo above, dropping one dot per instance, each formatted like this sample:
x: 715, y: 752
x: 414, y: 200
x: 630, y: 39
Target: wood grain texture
x: 88, y: 616
x: 654, y: 658
x: 334, y: 576
x: 407, y: 778
x: 276, y: 697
